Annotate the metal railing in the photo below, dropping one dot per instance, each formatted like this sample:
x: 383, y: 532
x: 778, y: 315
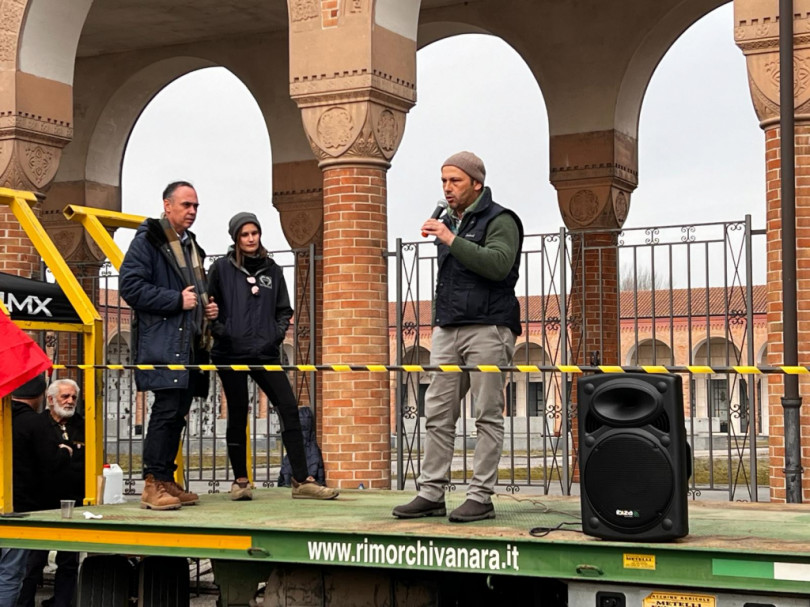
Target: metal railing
x: 686, y: 297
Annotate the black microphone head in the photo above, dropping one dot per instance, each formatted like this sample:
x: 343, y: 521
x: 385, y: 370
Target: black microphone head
x: 441, y: 206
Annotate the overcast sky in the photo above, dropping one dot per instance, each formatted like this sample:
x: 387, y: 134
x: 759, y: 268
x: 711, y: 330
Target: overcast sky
x: 701, y: 151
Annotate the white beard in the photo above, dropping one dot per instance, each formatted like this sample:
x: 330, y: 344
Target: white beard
x: 61, y: 412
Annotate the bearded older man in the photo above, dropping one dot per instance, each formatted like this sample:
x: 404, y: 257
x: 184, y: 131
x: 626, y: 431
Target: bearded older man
x: 67, y: 425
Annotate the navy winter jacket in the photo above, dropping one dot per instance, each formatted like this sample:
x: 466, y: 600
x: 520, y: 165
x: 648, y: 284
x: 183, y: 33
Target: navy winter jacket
x: 151, y: 282
x: 250, y: 327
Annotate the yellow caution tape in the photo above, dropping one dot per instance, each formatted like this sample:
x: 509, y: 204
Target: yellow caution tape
x: 576, y: 369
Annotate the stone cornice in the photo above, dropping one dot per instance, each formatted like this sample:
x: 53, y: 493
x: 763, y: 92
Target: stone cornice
x: 770, y: 43
x: 34, y: 128
x: 596, y: 171
x: 350, y: 88
x: 298, y: 196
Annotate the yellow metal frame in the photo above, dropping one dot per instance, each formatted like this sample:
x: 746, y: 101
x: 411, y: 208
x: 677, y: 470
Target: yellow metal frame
x: 6, y: 485
x: 96, y: 222
x: 90, y: 329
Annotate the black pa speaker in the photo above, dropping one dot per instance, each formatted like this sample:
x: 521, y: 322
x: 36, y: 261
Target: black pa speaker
x: 633, y: 457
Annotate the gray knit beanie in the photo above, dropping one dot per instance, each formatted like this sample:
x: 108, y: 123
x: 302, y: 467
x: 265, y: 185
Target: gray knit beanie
x: 240, y: 219
x: 469, y: 163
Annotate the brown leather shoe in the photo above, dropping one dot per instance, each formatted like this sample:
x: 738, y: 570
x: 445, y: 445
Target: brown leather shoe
x: 187, y: 498
x: 156, y: 497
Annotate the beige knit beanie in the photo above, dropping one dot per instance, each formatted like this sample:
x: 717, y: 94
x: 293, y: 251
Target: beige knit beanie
x: 469, y: 163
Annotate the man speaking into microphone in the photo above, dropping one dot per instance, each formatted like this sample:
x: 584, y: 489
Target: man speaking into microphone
x: 476, y: 321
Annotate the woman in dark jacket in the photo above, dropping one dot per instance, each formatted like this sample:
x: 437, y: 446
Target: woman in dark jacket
x: 254, y: 314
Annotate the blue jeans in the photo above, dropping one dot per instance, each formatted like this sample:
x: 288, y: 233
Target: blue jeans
x: 12, y: 571
x: 166, y: 423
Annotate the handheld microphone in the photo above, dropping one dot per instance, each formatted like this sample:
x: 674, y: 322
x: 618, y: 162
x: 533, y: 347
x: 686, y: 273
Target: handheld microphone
x: 441, y: 207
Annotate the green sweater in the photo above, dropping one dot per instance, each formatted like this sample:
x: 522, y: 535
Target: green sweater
x: 493, y: 260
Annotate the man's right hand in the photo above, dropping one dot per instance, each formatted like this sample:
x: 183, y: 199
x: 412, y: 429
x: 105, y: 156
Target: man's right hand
x: 189, y: 298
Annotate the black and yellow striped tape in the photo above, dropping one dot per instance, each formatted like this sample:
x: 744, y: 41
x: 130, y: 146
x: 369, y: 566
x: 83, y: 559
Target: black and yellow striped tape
x: 692, y: 369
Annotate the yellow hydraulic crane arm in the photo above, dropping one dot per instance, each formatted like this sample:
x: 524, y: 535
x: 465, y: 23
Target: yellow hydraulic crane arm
x: 96, y: 222
x: 91, y: 331
x: 6, y: 487
x: 20, y: 204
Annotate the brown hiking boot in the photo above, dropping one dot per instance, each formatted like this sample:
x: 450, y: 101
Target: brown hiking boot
x: 156, y: 497
x: 311, y: 490
x: 187, y: 498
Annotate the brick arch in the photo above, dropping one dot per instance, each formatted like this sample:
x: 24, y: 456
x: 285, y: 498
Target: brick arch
x: 537, y: 355
x: 417, y: 355
x: 650, y: 352
x: 648, y: 55
x: 120, y: 338
x: 111, y: 132
x: 49, y: 35
x: 439, y: 30
x: 713, y: 351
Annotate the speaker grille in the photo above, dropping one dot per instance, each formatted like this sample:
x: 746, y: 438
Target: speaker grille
x: 629, y: 481
x: 593, y: 423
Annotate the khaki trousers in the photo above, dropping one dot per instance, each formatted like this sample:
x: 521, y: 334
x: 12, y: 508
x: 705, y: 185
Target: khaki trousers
x: 465, y: 345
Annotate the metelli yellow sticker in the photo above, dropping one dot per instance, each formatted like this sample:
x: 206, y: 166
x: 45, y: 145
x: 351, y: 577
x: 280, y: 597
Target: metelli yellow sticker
x: 679, y: 599
x: 639, y: 561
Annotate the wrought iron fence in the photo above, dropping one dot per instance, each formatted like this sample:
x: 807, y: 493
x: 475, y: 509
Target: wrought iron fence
x: 686, y: 295
x: 126, y: 411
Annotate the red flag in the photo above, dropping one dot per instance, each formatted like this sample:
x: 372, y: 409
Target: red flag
x: 22, y: 357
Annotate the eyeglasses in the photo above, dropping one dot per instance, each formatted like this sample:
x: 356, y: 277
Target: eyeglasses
x: 252, y: 281
x: 190, y: 205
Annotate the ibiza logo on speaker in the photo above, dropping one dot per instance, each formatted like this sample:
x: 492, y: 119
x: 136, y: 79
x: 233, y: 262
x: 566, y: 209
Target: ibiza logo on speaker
x: 627, y: 513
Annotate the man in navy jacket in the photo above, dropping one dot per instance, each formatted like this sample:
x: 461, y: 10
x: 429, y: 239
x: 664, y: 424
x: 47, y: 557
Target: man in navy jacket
x: 163, y: 281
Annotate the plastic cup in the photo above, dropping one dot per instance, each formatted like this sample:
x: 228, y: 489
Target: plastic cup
x: 67, y: 508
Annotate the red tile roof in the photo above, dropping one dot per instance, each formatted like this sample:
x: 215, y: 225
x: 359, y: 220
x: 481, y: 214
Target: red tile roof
x: 668, y: 302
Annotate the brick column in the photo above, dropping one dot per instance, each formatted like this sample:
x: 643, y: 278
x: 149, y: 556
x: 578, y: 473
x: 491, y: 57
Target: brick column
x: 355, y: 417
x: 594, y: 174
x: 756, y: 32
x: 353, y: 77
x: 774, y: 304
x: 594, y: 308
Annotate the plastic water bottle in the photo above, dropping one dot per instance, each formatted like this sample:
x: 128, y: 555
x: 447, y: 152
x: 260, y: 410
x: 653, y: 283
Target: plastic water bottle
x: 113, y: 484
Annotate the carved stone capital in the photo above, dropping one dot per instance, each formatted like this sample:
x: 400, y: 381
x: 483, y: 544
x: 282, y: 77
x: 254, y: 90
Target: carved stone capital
x: 594, y: 174
x: 593, y: 204
x: 35, y: 124
x: 353, y: 79
x: 72, y: 239
x: 28, y: 165
x: 73, y: 242
x: 301, y: 218
x: 298, y: 197
x: 353, y: 132
x: 756, y: 32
